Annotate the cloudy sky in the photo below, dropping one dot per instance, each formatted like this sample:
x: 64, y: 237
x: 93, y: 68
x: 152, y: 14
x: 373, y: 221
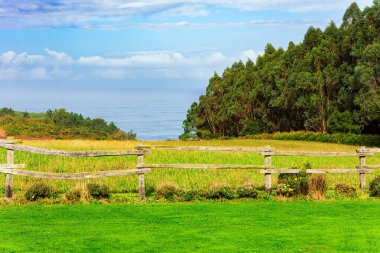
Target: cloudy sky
x: 148, y: 44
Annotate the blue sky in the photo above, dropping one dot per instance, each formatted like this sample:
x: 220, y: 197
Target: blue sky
x: 144, y: 45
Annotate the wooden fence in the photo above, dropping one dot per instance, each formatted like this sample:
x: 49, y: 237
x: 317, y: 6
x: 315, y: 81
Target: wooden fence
x: 11, y: 168
x: 267, y: 169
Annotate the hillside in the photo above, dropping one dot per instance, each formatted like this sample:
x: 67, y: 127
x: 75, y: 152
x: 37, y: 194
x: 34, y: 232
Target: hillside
x: 328, y: 83
x: 57, y: 124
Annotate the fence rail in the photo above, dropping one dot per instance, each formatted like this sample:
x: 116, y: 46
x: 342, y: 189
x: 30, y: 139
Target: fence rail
x: 336, y: 154
x: 84, y: 175
x: 201, y: 166
x: 203, y: 148
x: 67, y: 153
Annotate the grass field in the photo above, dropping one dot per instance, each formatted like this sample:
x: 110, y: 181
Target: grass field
x: 185, y: 179
x: 338, y: 226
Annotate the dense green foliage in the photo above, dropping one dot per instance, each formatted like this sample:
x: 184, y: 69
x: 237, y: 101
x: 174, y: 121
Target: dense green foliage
x: 7, y: 111
x: 293, y: 184
x: 328, y: 83
x: 374, y: 187
x: 333, y: 226
x: 59, y: 124
x: 39, y: 190
x: 98, y: 191
x: 345, y: 190
x: 343, y: 138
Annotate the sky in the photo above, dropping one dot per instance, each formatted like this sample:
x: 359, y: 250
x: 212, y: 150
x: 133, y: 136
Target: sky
x: 149, y: 45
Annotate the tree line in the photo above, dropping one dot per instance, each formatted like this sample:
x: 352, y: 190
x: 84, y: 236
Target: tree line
x: 327, y: 83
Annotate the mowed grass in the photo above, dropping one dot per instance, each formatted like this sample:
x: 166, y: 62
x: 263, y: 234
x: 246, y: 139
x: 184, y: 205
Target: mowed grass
x: 185, y: 179
x: 338, y: 226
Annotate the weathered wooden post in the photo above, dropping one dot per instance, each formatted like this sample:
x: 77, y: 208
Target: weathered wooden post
x: 9, y: 177
x: 361, y: 151
x: 268, y: 164
x: 140, y: 161
x: 268, y: 182
x: 268, y: 157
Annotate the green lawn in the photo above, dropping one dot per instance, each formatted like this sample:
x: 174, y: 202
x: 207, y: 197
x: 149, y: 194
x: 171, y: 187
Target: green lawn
x: 338, y: 226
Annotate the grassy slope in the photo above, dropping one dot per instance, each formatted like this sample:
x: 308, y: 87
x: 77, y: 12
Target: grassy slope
x: 342, y: 226
x: 186, y: 179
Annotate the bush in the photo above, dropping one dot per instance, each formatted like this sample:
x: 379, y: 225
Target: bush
x: 293, y: 184
x: 189, y: 195
x: 374, y: 187
x: 167, y: 190
x: 73, y: 195
x: 39, y: 190
x: 343, y: 138
x: 247, y: 191
x: 98, y: 191
x: 318, y: 185
x: 149, y: 190
x: 345, y: 190
x: 220, y: 191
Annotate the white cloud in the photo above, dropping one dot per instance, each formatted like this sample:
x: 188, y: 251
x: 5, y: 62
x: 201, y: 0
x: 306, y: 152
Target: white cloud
x: 7, y: 57
x: 12, y: 58
x: 248, y: 54
x: 150, y: 64
x: 188, y: 10
x: 59, y: 56
x: 117, y: 13
x: 153, y: 59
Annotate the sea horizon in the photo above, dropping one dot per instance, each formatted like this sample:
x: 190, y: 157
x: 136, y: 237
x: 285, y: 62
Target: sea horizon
x: 151, y: 115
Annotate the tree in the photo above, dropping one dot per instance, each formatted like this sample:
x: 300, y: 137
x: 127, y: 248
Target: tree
x: 328, y: 83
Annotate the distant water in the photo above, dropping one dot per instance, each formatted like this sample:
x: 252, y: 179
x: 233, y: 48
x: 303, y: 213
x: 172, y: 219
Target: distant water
x: 155, y: 116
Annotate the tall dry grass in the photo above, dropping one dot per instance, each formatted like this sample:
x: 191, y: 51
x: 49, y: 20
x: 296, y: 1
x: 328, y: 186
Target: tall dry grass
x: 185, y: 179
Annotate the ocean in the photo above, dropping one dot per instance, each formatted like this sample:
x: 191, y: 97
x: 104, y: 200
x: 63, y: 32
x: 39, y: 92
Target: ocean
x: 153, y: 116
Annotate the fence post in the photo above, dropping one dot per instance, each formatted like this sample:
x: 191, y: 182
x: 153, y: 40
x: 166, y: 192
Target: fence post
x: 361, y: 151
x: 362, y: 182
x: 268, y: 182
x: 9, y: 177
x: 268, y: 164
x: 268, y: 157
x: 140, y: 160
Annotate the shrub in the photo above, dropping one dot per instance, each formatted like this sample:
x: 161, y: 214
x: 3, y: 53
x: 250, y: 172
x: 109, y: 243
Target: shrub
x: 344, y: 138
x: 39, y: 190
x: 167, y: 190
x: 220, y: 191
x: 189, y: 195
x: 98, y: 191
x: 149, y: 190
x: 318, y: 185
x: 345, y: 190
x: 73, y: 195
x: 247, y: 191
x: 293, y: 184
x: 374, y: 187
